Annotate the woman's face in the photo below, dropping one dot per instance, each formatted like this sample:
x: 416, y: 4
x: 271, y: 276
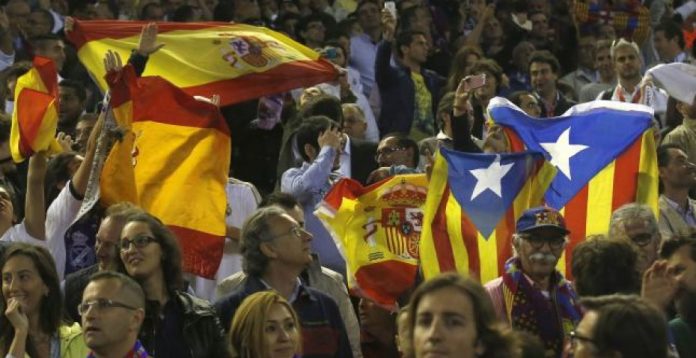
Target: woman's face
x: 445, y: 326
x: 22, y: 282
x: 280, y: 333
x: 140, y: 262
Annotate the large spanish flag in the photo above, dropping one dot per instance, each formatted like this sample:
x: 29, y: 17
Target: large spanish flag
x: 377, y: 229
x: 473, y: 203
x: 605, y: 155
x: 238, y: 62
x: 35, y: 116
x: 172, y: 161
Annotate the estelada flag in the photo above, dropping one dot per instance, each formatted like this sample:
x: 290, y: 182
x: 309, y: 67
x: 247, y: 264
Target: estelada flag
x: 605, y: 156
x: 376, y: 229
x: 473, y: 203
x: 236, y: 61
x: 172, y: 161
x: 35, y: 116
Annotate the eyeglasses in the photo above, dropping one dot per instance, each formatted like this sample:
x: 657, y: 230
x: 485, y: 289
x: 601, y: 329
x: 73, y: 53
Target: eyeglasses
x: 295, y: 231
x: 387, y: 151
x: 642, y: 239
x: 139, y: 242
x: 101, y: 305
x: 575, y: 337
x: 537, y: 243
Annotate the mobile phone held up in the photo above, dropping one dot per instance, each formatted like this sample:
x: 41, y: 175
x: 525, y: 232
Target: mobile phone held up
x: 391, y: 7
x: 476, y: 81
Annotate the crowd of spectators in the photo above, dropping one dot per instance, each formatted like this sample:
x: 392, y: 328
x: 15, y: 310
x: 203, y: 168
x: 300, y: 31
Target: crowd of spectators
x: 110, y: 283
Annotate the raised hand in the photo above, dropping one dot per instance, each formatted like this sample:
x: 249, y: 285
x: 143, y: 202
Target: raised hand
x: 659, y: 287
x: 16, y: 315
x: 330, y: 137
x: 388, y: 25
x: 148, y: 40
x: 66, y: 142
x: 112, y: 62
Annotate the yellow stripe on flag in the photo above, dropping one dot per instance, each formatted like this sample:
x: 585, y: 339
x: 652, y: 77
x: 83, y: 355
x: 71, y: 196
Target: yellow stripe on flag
x: 600, y: 194
x: 488, y: 255
x: 454, y: 229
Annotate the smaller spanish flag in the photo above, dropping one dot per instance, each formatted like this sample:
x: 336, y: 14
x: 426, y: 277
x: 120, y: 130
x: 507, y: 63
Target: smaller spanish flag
x: 35, y: 117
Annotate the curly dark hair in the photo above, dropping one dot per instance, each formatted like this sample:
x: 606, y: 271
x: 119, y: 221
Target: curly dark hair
x: 51, y: 309
x: 602, y: 266
x: 171, y: 252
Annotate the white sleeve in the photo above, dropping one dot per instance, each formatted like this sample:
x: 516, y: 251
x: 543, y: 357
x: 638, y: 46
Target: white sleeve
x: 61, y: 214
x: 18, y: 233
x: 6, y: 60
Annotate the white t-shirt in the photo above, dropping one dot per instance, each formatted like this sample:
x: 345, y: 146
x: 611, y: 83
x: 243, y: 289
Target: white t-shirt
x: 61, y: 213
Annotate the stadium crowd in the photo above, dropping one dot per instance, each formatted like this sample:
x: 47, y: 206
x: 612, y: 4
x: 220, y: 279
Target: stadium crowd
x: 414, y: 76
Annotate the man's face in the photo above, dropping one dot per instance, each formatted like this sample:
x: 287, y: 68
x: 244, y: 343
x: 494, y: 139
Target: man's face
x: 369, y: 17
x: 581, y: 347
x: 373, y: 318
x: 38, y: 24
x: 586, y: 53
x: 683, y: 269
x: 603, y: 63
x: 18, y: 14
x: 354, y: 123
x: 71, y: 107
x: 664, y: 46
x: 314, y: 33
x: 627, y: 63
x: 530, y: 105
x: 646, y: 240
x: 543, y: 78
x: 679, y: 173
x: 106, y: 328
x: 82, y: 131
x: 291, y: 243
x: 417, y: 51
x: 539, y: 251
x: 390, y: 153
x: 540, y: 25
x: 53, y: 49
x: 106, y: 246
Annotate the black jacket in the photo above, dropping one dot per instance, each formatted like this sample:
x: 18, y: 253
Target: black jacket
x: 202, y: 333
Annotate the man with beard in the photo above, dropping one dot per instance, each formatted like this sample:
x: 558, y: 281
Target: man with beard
x: 677, y: 177
x: 532, y: 295
x: 637, y: 225
x: 675, y: 280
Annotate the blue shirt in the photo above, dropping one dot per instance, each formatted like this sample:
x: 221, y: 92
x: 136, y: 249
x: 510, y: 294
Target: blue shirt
x: 363, y: 52
x: 308, y: 184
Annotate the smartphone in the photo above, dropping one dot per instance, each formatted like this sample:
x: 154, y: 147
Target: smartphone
x: 476, y: 81
x: 330, y: 53
x: 391, y: 7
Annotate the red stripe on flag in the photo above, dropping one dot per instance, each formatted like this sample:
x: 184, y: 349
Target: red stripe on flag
x: 470, y: 236
x: 626, y: 175
x: 385, y: 281
x: 516, y: 144
x: 503, y: 235
x: 441, y: 238
x: 48, y: 73
x: 253, y: 85
x: 31, y: 107
x: 201, y: 252
x: 576, y: 221
x: 85, y: 31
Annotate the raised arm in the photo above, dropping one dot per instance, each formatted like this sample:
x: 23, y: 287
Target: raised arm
x: 35, y: 203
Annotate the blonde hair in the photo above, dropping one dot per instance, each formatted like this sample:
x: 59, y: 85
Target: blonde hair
x: 247, y: 330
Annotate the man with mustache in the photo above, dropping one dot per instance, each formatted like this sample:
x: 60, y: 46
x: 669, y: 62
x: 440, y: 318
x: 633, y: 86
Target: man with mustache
x: 532, y: 295
x: 673, y: 279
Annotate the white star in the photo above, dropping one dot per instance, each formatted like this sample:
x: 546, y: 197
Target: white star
x: 562, y: 151
x: 490, y: 178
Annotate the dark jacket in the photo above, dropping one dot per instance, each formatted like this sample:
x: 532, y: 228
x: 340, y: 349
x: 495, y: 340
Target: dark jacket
x: 75, y: 284
x: 202, y: 333
x: 397, y: 91
x: 323, y: 331
x: 562, y: 104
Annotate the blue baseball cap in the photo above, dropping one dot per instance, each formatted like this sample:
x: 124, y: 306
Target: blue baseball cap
x: 541, y: 217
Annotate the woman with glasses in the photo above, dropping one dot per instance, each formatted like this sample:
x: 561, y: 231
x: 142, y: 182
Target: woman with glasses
x: 31, y: 323
x: 177, y: 324
x: 265, y: 326
x: 452, y: 316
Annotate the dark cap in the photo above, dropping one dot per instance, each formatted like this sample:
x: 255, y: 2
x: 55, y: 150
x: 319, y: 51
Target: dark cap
x: 541, y: 217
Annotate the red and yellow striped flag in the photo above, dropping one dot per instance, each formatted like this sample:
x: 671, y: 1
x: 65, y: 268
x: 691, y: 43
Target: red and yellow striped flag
x: 607, y: 154
x: 172, y: 161
x: 470, y: 230
x: 377, y: 229
x: 236, y: 61
x: 35, y: 116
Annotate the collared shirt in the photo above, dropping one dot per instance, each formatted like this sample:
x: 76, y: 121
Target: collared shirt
x: 687, y: 214
x: 295, y: 291
x: 345, y: 159
x: 363, y: 52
